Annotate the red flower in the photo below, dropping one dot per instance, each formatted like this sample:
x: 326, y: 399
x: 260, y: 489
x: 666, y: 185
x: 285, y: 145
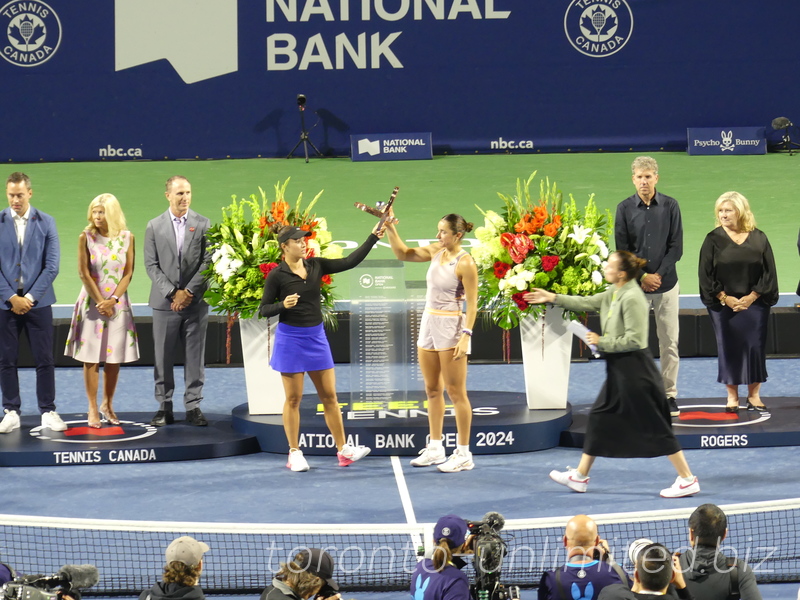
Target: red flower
x: 520, y: 300
x: 549, y: 263
x: 267, y: 267
x: 327, y: 280
x: 520, y: 247
x: 500, y: 269
x: 506, y: 240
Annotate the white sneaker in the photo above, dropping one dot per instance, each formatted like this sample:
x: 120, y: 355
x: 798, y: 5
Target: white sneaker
x: 457, y: 462
x: 680, y: 489
x: 297, y: 462
x: 429, y: 456
x: 53, y: 422
x: 351, y: 454
x: 571, y: 479
x: 10, y: 422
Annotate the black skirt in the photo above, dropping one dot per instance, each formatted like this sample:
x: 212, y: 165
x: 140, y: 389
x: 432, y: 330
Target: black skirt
x: 741, y: 343
x: 630, y: 417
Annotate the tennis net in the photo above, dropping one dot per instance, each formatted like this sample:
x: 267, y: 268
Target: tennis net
x: 243, y: 557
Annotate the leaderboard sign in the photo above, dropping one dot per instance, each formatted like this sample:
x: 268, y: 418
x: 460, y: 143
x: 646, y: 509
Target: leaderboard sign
x: 717, y: 141
x: 391, y: 146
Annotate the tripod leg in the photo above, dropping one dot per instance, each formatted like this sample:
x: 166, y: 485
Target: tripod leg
x: 315, y: 148
x: 295, y: 148
x: 305, y: 148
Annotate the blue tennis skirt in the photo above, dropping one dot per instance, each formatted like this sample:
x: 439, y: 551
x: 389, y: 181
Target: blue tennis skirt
x: 301, y: 349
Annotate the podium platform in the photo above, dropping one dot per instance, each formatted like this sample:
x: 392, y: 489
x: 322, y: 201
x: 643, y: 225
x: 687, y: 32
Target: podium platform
x: 501, y: 424
x: 704, y: 424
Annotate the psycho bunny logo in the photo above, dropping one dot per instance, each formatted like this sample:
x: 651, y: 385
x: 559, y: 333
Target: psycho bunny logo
x: 33, y: 32
x: 598, y: 30
x: 727, y: 141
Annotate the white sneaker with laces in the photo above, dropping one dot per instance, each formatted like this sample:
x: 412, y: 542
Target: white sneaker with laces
x: 350, y: 454
x: 681, y: 489
x: 571, y: 479
x: 53, y: 422
x: 429, y: 456
x: 457, y: 462
x: 297, y: 462
x: 10, y: 422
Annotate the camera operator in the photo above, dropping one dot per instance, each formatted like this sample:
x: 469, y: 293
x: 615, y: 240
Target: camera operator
x: 589, y: 567
x: 309, y: 574
x: 181, y: 573
x: 440, y: 577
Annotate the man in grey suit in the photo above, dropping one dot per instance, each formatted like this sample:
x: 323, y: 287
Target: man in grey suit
x: 175, y: 255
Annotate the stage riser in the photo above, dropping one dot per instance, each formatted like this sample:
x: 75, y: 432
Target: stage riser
x: 501, y: 424
x: 696, y: 339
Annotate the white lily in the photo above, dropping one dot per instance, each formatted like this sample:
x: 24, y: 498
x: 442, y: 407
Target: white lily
x: 597, y: 277
x: 579, y: 234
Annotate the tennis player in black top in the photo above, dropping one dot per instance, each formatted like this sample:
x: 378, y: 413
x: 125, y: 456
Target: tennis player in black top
x: 292, y: 292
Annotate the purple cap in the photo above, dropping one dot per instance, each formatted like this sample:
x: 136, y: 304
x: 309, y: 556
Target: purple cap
x: 451, y: 527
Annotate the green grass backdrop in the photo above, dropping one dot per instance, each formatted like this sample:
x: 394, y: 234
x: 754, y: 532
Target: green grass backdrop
x: 428, y: 189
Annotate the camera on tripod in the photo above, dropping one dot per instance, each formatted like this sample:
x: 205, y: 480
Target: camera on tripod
x: 489, y: 550
x: 47, y: 587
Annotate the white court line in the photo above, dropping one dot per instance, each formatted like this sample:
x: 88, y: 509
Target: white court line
x: 405, y: 499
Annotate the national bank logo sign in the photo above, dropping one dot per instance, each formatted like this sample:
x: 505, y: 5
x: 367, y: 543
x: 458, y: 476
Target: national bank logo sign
x: 391, y: 146
x: 598, y: 28
x: 33, y: 32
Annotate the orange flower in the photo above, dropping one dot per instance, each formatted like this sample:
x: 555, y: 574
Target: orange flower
x: 262, y: 222
x: 551, y: 230
x: 278, y: 211
x: 308, y: 228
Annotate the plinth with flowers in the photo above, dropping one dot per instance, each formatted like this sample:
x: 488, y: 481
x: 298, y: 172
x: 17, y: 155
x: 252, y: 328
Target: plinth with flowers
x: 244, y: 249
x: 540, y: 240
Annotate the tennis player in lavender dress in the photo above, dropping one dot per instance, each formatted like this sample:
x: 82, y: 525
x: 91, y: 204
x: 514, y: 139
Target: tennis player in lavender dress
x: 445, y: 335
x: 102, y: 330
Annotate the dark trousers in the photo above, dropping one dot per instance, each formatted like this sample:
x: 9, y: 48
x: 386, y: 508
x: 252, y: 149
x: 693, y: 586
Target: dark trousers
x: 38, y: 325
x: 188, y: 328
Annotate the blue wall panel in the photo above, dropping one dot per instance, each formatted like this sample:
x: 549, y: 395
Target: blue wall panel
x: 195, y: 78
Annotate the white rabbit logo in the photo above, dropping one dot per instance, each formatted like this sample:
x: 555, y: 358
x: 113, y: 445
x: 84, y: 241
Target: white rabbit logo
x: 727, y: 141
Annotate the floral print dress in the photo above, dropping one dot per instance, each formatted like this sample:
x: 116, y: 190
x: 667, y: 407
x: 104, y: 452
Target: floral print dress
x: 94, y: 338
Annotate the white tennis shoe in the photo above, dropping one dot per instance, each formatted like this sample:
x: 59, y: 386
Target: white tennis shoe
x: 297, y: 462
x: 429, y: 456
x: 681, y: 489
x: 571, y: 479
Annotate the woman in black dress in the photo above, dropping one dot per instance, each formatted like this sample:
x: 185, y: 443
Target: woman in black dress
x: 738, y: 284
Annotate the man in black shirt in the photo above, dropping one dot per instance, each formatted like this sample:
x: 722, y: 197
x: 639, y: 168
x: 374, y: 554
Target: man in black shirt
x: 649, y: 225
x: 656, y: 569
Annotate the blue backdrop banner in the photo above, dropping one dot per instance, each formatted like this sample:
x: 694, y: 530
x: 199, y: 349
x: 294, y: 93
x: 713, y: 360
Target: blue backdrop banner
x: 174, y: 79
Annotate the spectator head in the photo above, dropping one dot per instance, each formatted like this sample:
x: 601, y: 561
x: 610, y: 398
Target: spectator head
x: 580, y: 536
x: 309, y: 571
x: 654, y: 568
x: 708, y: 526
x: 184, y: 561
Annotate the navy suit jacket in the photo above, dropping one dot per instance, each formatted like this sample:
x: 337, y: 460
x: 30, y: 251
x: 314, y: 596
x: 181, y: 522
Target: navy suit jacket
x: 39, y: 262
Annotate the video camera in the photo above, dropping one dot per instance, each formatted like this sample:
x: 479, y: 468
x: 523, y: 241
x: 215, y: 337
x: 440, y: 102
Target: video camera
x: 43, y: 587
x: 489, y: 549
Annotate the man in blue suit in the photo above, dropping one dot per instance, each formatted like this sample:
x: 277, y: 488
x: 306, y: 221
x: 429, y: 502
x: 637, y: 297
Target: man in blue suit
x: 29, y: 258
x: 175, y: 256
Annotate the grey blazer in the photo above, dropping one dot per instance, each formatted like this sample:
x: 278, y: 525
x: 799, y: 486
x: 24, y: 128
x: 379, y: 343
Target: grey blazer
x: 161, y: 259
x: 624, y: 323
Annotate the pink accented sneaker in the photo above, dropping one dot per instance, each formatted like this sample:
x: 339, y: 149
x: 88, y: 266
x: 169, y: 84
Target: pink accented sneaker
x: 681, y: 489
x: 350, y: 454
x: 571, y: 479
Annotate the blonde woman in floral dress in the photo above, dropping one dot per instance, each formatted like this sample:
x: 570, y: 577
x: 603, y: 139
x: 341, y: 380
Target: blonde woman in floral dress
x: 102, y: 328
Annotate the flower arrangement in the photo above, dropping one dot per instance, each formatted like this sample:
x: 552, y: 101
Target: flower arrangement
x: 545, y: 243
x: 245, y: 249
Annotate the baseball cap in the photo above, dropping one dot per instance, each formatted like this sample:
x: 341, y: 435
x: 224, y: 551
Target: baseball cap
x: 293, y: 233
x: 452, y: 527
x: 186, y: 550
x: 319, y: 563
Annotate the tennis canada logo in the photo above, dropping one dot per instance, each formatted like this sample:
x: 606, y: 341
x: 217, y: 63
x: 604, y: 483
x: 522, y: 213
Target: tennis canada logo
x: 598, y: 28
x: 33, y: 32
x: 86, y: 445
